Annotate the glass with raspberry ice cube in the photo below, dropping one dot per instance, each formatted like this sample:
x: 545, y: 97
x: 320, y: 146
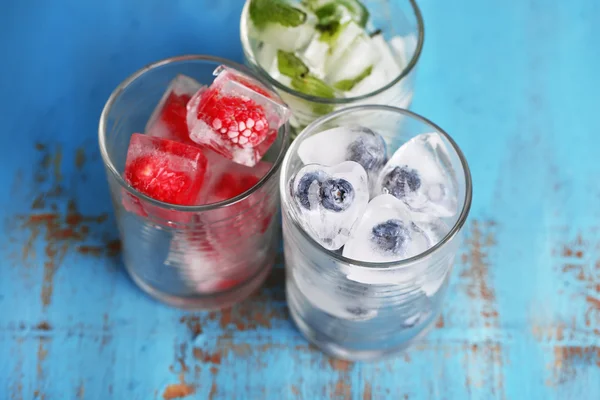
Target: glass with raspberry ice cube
x: 195, y: 206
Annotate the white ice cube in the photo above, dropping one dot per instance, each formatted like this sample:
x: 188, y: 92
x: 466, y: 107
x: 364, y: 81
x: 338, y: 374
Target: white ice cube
x: 342, y: 42
x: 346, y: 143
x: 330, y: 200
x: 359, y: 55
x: 386, y: 232
x: 315, y: 55
x: 387, y: 69
x: 420, y: 174
x: 286, y: 38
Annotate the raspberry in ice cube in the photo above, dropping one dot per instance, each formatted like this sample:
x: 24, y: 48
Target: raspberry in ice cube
x: 165, y: 170
x: 236, y: 117
x: 169, y: 118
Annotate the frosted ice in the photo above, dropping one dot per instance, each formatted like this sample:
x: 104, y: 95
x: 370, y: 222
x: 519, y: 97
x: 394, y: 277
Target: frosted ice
x: 346, y: 143
x: 420, y: 175
x: 330, y: 200
x: 386, y: 232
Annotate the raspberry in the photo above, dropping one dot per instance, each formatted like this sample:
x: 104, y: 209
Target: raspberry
x: 173, y: 115
x: 167, y: 171
x: 238, y: 120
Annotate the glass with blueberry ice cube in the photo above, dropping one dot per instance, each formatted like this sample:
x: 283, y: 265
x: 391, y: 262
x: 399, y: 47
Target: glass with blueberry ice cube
x: 193, y: 148
x: 372, y: 220
x: 323, y: 55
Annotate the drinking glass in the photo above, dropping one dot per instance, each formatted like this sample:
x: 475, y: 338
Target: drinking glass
x: 393, y: 18
x: 363, y: 310
x: 195, y: 257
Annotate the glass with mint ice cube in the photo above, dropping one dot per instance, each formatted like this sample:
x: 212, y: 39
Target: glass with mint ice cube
x: 324, y: 55
x: 372, y: 218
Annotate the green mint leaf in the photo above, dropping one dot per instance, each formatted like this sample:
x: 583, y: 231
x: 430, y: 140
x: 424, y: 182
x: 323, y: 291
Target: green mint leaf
x: 329, y: 14
x: 355, y: 8
x: 348, y: 84
x: 264, y: 12
x: 290, y: 65
x: 331, y: 33
x: 313, y: 86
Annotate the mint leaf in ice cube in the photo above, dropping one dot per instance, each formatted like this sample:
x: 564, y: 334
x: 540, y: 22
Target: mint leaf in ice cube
x: 263, y: 12
x: 313, y: 86
x: 290, y: 65
x: 328, y: 8
x: 348, y: 84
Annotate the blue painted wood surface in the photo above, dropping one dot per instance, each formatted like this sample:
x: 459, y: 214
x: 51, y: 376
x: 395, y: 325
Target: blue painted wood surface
x: 515, y: 82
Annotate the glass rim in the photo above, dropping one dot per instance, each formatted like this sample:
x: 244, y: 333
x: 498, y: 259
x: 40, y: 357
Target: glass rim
x: 249, y: 54
x: 207, y: 207
x: 388, y: 265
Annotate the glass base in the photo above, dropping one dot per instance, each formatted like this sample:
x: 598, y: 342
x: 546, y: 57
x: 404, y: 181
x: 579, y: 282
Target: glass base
x: 339, y: 352
x: 212, y: 301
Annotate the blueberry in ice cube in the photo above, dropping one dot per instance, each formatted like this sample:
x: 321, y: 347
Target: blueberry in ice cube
x: 308, y: 180
x: 370, y: 153
x: 391, y: 236
x: 401, y: 181
x: 330, y: 200
x: 346, y: 143
x: 337, y: 194
x: 386, y: 232
x: 421, y: 174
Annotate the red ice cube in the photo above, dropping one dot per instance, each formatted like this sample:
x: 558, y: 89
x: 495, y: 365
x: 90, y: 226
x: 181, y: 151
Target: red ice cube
x: 169, y: 118
x: 165, y: 170
x: 236, y: 116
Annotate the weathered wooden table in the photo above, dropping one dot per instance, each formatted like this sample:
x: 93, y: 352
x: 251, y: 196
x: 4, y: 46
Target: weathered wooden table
x: 515, y: 82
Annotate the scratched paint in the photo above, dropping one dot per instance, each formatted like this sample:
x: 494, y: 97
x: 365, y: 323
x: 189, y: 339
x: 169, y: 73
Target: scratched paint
x: 521, y: 319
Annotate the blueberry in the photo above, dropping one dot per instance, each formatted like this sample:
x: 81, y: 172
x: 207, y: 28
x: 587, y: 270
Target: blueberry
x: 400, y: 181
x: 391, y: 236
x: 336, y: 194
x: 302, y: 192
x: 368, y: 151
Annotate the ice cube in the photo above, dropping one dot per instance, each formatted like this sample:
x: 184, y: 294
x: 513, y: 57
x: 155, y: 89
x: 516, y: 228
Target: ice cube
x: 286, y: 38
x: 340, y: 42
x: 315, y: 55
x: 360, y: 56
x: 236, y: 117
x: 165, y: 170
x: 330, y: 200
x: 383, y: 72
x: 346, y: 143
x: 420, y: 174
x: 168, y: 120
x: 386, y: 232
x: 267, y: 58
